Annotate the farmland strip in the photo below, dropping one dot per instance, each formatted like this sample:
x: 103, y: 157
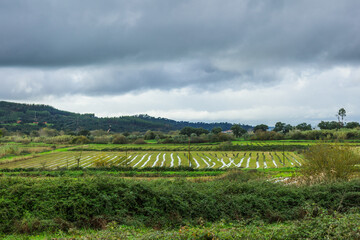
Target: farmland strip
x: 157, y: 159
x: 172, y: 160
x: 197, y: 163
x: 68, y: 161
x: 296, y: 161
x: 179, y: 160
x: 208, y: 165
x: 273, y: 160
x: 146, y: 161
x: 265, y: 164
x: 124, y: 160
x: 248, y: 162
x: 224, y: 164
x: 140, y: 160
x: 241, y: 161
x: 163, y: 161
x: 132, y: 160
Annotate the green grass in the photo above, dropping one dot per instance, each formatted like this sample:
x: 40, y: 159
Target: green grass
x: 112, y: 173
x: 334, y: 226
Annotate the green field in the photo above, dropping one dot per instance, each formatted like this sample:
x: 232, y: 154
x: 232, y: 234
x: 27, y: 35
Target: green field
x: 142, y: 159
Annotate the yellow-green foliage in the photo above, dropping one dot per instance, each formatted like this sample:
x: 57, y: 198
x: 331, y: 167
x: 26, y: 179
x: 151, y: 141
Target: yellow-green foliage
x: 9, y: 150
x: 329, y: 162
x: 101, y: 162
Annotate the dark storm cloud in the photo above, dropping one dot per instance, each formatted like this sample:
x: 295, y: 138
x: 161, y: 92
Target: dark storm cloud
x: 112, y: 47
x: 66, y: 33
x: 112, y: 80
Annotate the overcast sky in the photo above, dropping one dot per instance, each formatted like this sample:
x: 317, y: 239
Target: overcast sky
x: 242, y: 61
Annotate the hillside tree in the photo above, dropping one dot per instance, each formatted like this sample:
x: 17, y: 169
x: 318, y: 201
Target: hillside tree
x: 303, y: 127
x: 341, y: 115
x: 216, y: 130
x: 279, y: 127
x: 238, y: 131
x: 352, y: 125
x: 262, y: 127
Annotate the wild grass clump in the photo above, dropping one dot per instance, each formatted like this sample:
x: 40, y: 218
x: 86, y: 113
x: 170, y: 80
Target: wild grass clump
x: 9, y: 150
x: 329, y: 163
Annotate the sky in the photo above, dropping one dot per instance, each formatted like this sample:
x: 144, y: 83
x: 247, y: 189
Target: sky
x: 240, y: 61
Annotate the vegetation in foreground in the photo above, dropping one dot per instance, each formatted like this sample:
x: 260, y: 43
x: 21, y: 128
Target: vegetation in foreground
x: 324, y: 226
x: 32, y: 205
x: 325, y: 163
x: 215, y: 204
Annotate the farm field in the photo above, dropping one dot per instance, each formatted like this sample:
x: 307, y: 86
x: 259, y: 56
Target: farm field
x: 143, y: 159
x: 264, y: 146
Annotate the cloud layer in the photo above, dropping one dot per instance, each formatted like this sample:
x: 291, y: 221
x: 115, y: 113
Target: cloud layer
x: 249, y: 60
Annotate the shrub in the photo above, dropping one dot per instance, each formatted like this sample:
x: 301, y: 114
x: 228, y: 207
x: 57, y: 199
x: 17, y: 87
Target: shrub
x: 80, y: 140
x: 101, y: 139
x: 139, y: 141
x: 325, y: 162
x: 120, y: 139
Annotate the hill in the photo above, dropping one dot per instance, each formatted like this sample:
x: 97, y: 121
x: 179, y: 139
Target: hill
x: 28, y: 117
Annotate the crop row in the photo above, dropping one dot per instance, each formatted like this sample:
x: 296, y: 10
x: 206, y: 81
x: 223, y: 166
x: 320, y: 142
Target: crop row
x: 216, y: 160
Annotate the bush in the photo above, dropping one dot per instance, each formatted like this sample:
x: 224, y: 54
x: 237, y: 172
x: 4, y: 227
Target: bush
x: 101, y: 139
x: 265, y: 135
x: 119, y: 139
x: 80, y: 140
x: 329, y: 162
x: 139, y: 141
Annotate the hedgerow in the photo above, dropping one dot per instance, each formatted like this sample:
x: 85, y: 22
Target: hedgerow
x: 31, y: 205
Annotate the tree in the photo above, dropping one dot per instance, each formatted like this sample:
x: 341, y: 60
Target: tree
x: 282, y: 127
x: 352, y: 125
x: 303, y: 127
x: 261, y: 127
x: 238, y: 131
x: 189, y: 130
x: 341, y: 114
x: 149, y: 135
x: 1, y: 133
x: 328, y: 125
x: 287, y: 128
x: 186, y: 131
x: 279, y: 127
x: 216, y: 130
x: 84, y: 132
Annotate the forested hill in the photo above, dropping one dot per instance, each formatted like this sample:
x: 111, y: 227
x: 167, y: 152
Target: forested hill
x: 28, y: 117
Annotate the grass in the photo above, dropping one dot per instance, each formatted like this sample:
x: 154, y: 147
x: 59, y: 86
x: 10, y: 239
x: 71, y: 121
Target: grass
x: 330, y: 163
x: 334, y: 226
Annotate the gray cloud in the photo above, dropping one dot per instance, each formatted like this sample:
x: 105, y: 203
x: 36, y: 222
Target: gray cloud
x: 63, y: 33
x: 112, y: 80
x: 50, y: 49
